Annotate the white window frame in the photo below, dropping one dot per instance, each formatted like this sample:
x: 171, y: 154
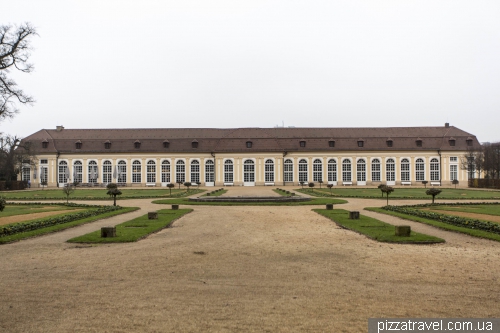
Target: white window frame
x: 136, y: 171
x: 288, y: 170
x: 151, y: 172
x: 361, y: 171
x: 194, y: 175
x: 376, y: 169
x: 78, y: 171
x: 405, y: 169
x: 419, y: 169
x: 269, y: 170
x: 166, y: 168
x: 390, y: 171
x: 317, y: 170
x: 346, y: 170
x: 122, y: 170
x: 303, y: 170
x: 210, y: 172
x: 180, y: 171
x: 92, y: 165
x: 434, y: 168
x: 228, y: 171
x: 332, y: 171
x: 107, y: 171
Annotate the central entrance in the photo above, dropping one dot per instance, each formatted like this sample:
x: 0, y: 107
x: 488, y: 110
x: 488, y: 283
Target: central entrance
x: 249, y: 173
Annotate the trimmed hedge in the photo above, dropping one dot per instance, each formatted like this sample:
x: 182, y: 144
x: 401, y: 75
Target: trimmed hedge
x: 11, y: 229
x: 453, y: 220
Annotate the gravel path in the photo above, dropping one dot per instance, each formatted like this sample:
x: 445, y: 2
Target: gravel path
x: 243, y: 268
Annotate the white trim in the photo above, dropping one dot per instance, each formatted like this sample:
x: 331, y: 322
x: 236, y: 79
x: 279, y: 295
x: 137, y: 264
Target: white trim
x: 268, y: 184
x: 346, y: 183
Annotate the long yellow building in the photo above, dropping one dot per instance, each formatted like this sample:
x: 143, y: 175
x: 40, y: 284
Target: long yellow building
x: 250, y: 156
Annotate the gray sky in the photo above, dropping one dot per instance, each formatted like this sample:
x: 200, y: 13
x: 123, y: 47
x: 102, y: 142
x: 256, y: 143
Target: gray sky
x: 184, y: 63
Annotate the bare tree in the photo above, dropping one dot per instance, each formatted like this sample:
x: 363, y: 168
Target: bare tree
x: 473, y: 162
x: 15, y: 153
x: 14, y: 54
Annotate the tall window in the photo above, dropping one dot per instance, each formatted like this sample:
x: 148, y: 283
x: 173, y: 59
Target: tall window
x: 435, y: 170
x: 269, y: 171
x: 122, y: 172
x: 26, y: 173
x: 136, y: 172
x: 303, y: 170
x: 107, y: 172
x: 390, y: 170
x: 151, y: 171
x: 248, y: 171
x: 180, y: 171
x: 78, y: 172
x: 228, y: 171
x: 419, y: 170
x: 288, y: 171
x: 361, y: 170
x: 44, y: 173
x: 317, y: 170
x: 195, y: 171
x: 165, y: 171
x: 63, y: 172
x: 453, y: 172
x: 93, y: 173
x: 376, y: 172
x: 346, y: 170
x: 209, y: 171
x: 405, y: 170
x: 332, y: 170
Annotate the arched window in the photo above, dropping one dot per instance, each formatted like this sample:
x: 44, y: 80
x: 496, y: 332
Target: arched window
x: 78, y: 172
x: 249, y: 171
x: 269, y: 171
x: 346, y: 170
x: 228, y: 171
x: 435, y: 170
x: 63, y: 172
x: 209, y: 171
x: 180, y: 171
x: 122, y: 172
x: 317, y: 170
x: 303, y: 170
x: 93, y: 172
x: 390, y: 170
x: 332, y: 170
x: 376, y: 170
x: 195, y: 171
x: 405, y: 170
x: 361, y: 170
x: 288, y: 171
x: 419, y: 170
x: 136, y: 172
x: 165, y: 171
x: 107, y: 172
x: 151, y: 171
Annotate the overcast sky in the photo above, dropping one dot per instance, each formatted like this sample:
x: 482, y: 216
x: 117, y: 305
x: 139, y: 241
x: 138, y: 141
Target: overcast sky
x: 184, y: 63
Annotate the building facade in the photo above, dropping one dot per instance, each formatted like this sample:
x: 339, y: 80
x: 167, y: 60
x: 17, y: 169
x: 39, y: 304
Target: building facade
x: 250, y: 156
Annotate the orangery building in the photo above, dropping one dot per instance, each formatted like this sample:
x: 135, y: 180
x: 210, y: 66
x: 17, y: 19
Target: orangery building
x: 249, y: 156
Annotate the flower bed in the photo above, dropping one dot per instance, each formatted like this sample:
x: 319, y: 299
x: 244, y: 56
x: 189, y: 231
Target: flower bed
x: 453, y: 220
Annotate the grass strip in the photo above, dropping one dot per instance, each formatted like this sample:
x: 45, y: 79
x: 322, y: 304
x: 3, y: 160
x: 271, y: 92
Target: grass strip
x: 136, y: 229
x: 375, y: 229
x: 438, y: 224
x: 60, y: 227
x: 401, y: 193
x: 319, y: 201
x: 98, y: 194
x: 13, y: 210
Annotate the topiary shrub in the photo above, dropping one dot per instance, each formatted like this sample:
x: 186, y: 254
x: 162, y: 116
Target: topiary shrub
x: 2, y: 204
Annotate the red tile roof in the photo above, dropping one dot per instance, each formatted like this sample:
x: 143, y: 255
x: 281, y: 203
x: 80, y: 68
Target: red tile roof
x: 263, y: 139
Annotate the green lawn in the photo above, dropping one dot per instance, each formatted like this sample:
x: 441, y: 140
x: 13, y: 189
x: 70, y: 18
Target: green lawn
x: 319, y: 201
x: 59, y: 227
x: 12, y: 210
x: 401, y: 193
x: 477, y: 209
x: 438, y: 224
x: 375, y: 229
x: 136, y: 229
x: 97, y: 194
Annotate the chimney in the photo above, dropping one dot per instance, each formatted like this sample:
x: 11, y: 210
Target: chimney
x: 59, y: 128
x: 447, y: 125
